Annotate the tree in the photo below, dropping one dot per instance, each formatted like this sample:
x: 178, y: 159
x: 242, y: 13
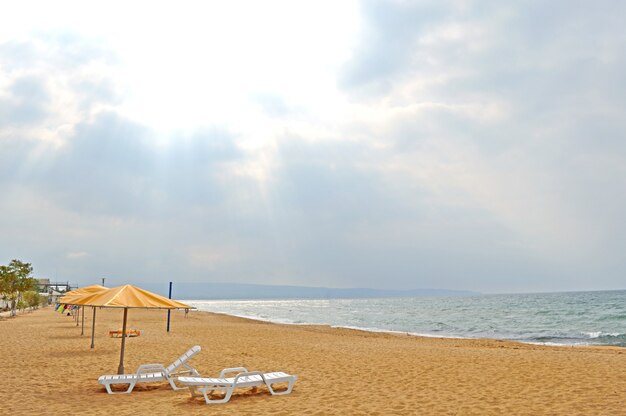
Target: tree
x: 16, y: 279
x: 32, y: 299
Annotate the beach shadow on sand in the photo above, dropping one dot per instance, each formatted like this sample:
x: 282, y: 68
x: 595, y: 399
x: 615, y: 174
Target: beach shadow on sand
x: 78, y: 336
x: 78, y: 353
x: 137, y: 389
x: 242, y: 395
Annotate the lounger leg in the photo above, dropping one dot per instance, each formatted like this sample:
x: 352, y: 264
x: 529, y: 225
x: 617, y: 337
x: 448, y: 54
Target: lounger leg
x: 206, y: 395
x: 131, y: 386
x: 173, y: 384
x: 193, y: 391
x: 289, y: 388
x: 228, y: 393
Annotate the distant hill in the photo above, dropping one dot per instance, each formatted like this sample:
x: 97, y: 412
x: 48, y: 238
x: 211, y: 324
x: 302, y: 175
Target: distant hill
x: 182, y: 290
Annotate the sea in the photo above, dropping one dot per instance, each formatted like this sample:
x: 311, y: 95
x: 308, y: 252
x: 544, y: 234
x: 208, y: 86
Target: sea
x: 573, y: 318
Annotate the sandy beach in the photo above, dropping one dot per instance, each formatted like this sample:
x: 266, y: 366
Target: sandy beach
x: 48, y: 368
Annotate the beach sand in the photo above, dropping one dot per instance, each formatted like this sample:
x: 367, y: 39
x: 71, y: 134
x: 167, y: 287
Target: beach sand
x: 48, y: 368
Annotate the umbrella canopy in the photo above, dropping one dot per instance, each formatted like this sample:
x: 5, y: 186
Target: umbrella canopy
x: 77, y: 294
x: 129, y: 296
x: 71, y: 297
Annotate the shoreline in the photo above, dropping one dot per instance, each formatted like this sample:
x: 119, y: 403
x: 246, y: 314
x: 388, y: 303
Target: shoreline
x: 409, y: 333
x: 500, y: 343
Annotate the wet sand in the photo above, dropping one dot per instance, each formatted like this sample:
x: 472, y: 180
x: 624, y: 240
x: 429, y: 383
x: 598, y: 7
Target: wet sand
x: 48, y: 368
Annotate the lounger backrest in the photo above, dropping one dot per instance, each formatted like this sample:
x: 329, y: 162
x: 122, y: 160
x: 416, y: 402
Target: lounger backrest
x: 183, y: 359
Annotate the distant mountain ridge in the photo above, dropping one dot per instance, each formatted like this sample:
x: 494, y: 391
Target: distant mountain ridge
x: 207, y: 291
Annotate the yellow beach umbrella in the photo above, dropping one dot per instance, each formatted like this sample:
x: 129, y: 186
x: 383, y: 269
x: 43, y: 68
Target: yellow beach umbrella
x: 80, y: 293
x: 126, y: 297
x: 75, y: 295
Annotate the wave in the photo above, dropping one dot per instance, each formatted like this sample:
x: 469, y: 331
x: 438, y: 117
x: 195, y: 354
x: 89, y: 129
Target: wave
x: 600, y: 334
x: 503, y: 317
x: 611, y: 318
x: 614, y: 339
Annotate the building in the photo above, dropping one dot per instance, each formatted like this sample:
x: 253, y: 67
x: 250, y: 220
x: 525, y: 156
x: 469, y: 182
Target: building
x: 45, y: 286
x: 52, y: 291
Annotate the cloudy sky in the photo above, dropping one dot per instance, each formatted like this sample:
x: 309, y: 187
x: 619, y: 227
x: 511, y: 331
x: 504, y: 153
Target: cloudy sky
x: 475, y: 145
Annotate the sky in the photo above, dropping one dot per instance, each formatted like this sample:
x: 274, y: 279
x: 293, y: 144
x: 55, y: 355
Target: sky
x: 471, y: 145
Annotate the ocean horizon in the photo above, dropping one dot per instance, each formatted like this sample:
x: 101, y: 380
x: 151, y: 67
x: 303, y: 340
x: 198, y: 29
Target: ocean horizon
x: 555, y: 318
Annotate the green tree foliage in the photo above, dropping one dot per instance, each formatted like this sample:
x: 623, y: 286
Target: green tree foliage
x: 32, y: 299
x: 15, y: 279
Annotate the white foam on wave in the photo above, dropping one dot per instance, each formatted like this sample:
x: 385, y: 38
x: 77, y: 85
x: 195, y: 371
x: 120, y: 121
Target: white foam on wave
x: 259, y: 318
x: 389, y: 331
x: 598, y: 334
x: 557, y: 344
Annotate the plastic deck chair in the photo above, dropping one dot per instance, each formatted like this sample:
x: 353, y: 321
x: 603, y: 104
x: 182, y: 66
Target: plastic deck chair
x: 244, y: 378
x: 149, y: 373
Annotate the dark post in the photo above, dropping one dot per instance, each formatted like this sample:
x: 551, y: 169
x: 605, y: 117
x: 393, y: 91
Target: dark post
x: 120, y: 368
x: 82, y: 329
x: 169, y: 310
x: 93, y: 326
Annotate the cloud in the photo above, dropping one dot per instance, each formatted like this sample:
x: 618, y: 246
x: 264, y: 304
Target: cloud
x: 512, y: 111
x: 25, y: 102
x: 386, y: 47
x: 273, y: 105
x: 49, y: 84
x: 76, y: 254
x: 479, y: 147
x: 81, y: 175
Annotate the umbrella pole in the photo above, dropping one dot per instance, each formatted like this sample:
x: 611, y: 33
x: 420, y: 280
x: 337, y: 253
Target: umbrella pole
x: 120, y: 368
x: 93, y: 326
x: 82, y: 329
x: 169, y: 310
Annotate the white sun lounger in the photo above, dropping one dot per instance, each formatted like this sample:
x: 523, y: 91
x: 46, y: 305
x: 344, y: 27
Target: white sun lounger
x: 148, y: 373
x: 244, y: 378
